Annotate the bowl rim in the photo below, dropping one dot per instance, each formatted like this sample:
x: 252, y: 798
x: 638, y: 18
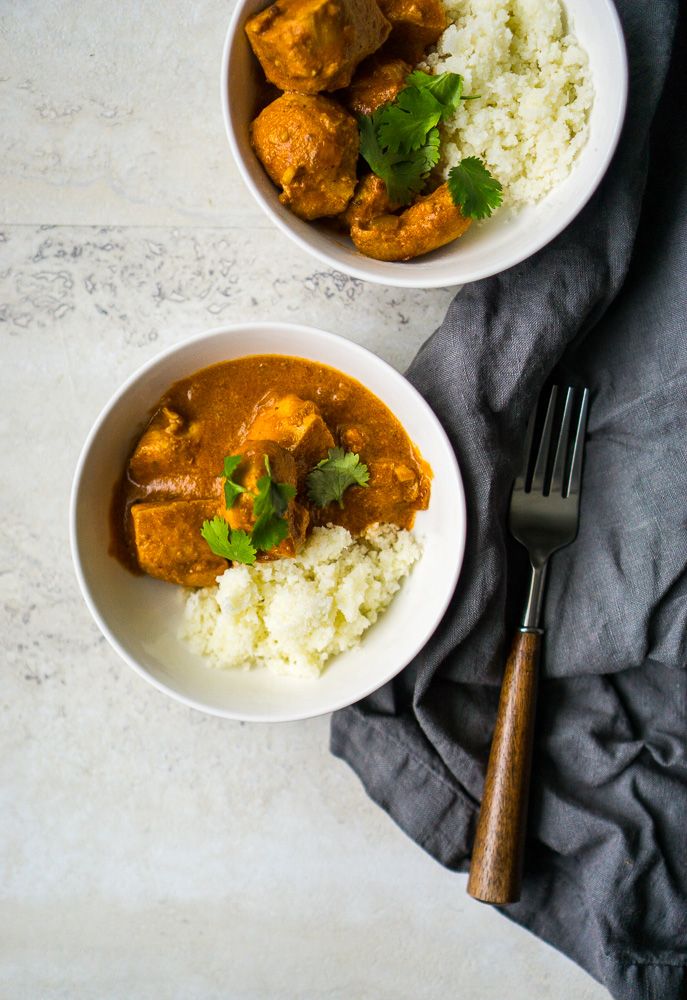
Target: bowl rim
x: 394, y: 276
x: 216, y: 333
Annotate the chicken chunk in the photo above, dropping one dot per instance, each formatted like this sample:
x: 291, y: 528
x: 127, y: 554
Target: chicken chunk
x: 298, y: 426
x: 377, y: 82
x: 370, y: 200
x: 309, y: 147
x: 169, y: 544
x: 254, y: 450
x: 394, y: 492
x: 431, y: 222
x: 306, y: 46
x: 167, y: 441
x: 397, y: 485
x: 283, y: 470
x: 163, y: 464
x: 415, y: 25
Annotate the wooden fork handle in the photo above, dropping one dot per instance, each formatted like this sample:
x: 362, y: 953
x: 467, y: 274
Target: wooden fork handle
x: 496, y: 868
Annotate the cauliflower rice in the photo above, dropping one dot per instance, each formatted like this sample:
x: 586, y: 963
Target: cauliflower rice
x: 532, y: 116
x: 292, y: 615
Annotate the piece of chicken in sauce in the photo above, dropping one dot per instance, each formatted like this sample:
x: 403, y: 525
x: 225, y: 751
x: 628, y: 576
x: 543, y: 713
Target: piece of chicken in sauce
x: 296, y: 424
x: 394, y: 488
x: 430, y: 222
x: 309, y: 147
x: 377, y: 81
x: 164, y: 462
x: 307, y: 46
x: 415, y: 25
x: 370, y: 200
x: 393, y: 485
x: 168, y: 544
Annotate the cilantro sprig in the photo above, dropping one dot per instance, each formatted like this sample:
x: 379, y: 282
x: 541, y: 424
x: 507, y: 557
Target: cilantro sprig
x: 231, y: 489
x: 473, y: 188
x: 333, y: 475
x: 405, y: 123
x: 446, y: 88
x: 272, y: 498
x: 400, y: 142
x: 403, y: 174
x: 235, y: 545
x: 269, y: 507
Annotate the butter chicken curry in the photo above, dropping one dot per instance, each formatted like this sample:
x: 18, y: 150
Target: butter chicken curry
x: 260, y: 441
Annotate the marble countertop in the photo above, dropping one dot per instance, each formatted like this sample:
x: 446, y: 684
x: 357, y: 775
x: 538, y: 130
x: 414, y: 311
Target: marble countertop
x: 147, y: 850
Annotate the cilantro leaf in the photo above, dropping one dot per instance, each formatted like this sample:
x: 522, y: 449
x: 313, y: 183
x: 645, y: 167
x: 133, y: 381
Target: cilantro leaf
x: 231, y: 489
x: 473, y: 189
x: 370, y: 148
x: 333, y: 475
x: 445, y: 88
x: 269, y: 506
x: 270, y: 528
x: 235, y: 546
x: 400, y: 142
x: 231, y: 464
x: 268, y: 531
x: 410, y: 173
x: 403, y: 125
x: 403, y: 173
x: 272, y: 497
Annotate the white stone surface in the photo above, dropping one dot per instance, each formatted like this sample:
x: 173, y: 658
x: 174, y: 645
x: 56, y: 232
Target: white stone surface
x: 148, y: 851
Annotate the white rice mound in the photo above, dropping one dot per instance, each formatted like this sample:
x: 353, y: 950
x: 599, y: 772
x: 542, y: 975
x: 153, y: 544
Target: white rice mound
x: 532, y: 116
x: 292, y: 615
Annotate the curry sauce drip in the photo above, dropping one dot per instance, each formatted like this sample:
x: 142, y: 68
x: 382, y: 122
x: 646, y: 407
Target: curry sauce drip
x: 288, y: 409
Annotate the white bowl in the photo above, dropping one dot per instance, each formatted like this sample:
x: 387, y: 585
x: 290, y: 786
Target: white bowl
x: 140, y: 616
x: 486, y: 249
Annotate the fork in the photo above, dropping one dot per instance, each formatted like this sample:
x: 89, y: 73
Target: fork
x: 543, y: 517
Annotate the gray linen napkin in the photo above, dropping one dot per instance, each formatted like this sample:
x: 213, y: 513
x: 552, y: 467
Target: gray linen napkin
x: 605, y: 872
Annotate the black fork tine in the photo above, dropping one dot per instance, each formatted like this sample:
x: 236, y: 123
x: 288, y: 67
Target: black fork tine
x: 545, y: 445
x: 563, y: 444
x: 578, y: 448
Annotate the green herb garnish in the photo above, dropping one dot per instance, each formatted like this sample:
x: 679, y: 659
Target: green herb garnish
x: 272, y: 497
x: 474, y: 189
x: 404, y: 125
x: 446, y: 88
x: 231, y: 489
x: 235, y: 545
x: 268, y: 531
x: 404, y: 174
x: 269, y: 506
x: 400, y: 142
x: 333, y: 475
